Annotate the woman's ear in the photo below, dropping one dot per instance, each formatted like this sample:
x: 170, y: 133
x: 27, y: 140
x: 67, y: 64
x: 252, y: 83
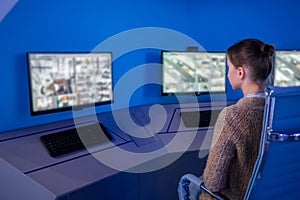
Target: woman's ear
x: 241, y: 72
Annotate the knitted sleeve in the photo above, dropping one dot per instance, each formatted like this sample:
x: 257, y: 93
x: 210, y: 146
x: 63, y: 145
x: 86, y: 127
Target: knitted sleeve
x: 222, y: 151
x: 218, y: 127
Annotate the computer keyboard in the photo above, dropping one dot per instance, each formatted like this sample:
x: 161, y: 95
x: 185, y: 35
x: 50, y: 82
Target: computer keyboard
x: 74, y: 139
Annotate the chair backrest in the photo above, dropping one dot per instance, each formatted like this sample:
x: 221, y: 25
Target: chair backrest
x: 276, y: 174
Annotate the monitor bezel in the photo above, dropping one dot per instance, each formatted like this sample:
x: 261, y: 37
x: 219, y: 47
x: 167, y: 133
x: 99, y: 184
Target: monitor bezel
x: 67, y: 108
x: 193, y: 93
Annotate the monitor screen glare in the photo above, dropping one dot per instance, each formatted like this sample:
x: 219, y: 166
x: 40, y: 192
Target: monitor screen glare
x: 61, y: 81
x: 193, y: 72
x: 287, y: 68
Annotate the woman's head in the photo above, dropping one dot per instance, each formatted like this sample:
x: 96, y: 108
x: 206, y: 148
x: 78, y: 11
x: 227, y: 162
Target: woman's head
x: 252, y: 56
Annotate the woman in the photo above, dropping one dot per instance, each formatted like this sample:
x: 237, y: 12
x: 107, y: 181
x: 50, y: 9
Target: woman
x: 238, y: 129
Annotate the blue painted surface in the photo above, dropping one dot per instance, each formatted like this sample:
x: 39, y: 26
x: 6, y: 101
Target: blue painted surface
x: 33, y: 25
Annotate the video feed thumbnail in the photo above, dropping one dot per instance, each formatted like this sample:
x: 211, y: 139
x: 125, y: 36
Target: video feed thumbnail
x: 287, y: 68
x: 63, y: 80
x: 190, y: 72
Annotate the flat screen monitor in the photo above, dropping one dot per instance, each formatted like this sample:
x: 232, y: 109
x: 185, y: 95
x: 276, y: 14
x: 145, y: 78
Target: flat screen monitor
x: 287, y: 68
x: 193, y: 73
x: 65, y: 81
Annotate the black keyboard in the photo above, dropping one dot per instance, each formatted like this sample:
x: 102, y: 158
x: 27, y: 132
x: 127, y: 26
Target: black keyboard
x: 74, y: 139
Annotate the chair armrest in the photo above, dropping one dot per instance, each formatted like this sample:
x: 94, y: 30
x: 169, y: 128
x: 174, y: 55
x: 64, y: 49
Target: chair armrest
x: 214, y: 195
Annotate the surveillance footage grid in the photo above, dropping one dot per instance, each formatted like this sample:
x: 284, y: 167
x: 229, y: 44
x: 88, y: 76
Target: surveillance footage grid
x: 185, y: 72
x: 287, y: 68
x: 63, y: 80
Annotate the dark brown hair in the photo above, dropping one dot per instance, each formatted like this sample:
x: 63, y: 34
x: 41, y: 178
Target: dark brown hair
x: 255, y: 54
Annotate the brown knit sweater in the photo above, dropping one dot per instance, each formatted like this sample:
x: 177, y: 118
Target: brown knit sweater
x: 234, y: 148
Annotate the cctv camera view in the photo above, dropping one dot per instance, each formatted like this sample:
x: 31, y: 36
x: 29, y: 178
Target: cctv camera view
x: 69, y: 79
x: 194, y: 72
x: 287, y: 68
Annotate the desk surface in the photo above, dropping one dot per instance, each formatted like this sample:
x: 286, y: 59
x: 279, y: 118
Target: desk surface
x: 133, y: 144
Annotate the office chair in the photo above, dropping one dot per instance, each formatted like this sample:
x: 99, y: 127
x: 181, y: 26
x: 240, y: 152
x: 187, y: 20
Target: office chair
x: 276, y: 174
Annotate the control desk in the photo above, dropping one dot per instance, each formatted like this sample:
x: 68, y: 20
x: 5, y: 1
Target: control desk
x: 149, y: 149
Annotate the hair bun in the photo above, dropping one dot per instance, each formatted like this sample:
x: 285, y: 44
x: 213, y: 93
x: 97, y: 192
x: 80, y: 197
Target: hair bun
x: 267, y: 50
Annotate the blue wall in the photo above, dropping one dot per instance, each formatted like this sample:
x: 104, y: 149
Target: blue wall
x: 70, y: 25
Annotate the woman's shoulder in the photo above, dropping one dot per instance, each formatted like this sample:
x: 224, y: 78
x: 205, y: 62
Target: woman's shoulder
x: 249, y: 102
x: 244, y: 104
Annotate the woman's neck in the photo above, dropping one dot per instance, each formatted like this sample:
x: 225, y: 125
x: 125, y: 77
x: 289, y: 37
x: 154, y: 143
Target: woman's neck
x: 253, y: 88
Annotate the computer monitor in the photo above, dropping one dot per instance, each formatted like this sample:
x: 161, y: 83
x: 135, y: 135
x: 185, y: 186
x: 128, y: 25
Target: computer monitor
x: 287, y: 68
x: 65, y: 81
x: 193, y: 73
